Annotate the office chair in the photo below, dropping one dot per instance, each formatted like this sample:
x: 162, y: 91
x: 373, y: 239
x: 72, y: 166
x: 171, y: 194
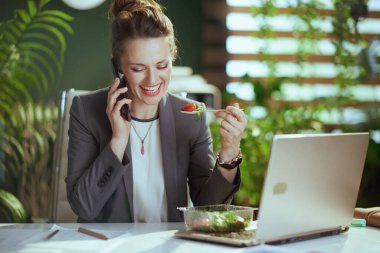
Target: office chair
x: 60, y: 209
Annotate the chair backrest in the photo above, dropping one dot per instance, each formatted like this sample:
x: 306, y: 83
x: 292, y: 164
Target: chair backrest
x: 60, y: 210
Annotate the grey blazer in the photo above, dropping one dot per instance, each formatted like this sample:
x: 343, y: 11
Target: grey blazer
x: 100, y: 187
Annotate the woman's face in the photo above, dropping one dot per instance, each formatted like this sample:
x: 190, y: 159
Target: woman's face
x: 147, y: 66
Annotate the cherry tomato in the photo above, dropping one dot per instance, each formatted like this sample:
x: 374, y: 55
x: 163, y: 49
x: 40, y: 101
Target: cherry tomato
x: 189, y: 107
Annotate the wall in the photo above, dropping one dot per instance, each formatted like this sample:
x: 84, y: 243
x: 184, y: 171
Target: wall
x: 87, y: 60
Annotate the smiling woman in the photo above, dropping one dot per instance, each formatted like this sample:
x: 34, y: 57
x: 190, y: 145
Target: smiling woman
x: 138, y: 170
x: 147, y: 67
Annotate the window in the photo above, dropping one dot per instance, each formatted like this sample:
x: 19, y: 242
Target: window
x: 318, y: 73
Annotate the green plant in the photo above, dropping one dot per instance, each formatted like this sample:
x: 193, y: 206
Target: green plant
x: 11, y: 209
x: 28, y: 152
x: 31, y: 53
x: 277, y: 114
x: 32, y: 46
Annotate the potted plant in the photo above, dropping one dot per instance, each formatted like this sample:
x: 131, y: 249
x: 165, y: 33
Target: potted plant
x: 32, y: 47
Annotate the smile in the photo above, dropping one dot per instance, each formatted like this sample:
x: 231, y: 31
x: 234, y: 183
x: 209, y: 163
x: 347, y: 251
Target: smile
x: 151, y: 90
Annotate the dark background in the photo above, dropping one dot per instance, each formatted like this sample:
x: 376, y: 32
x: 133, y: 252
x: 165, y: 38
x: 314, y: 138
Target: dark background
x: 87, y: 59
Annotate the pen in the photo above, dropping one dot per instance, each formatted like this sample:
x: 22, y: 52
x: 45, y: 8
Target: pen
x: 52, y: 234
x: 92, y: 233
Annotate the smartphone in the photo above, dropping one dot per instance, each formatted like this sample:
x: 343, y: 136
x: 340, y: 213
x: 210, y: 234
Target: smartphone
x: 124, y: 111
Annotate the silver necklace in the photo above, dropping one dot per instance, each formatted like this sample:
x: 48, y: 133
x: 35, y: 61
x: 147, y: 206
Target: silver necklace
x: 142, y: 150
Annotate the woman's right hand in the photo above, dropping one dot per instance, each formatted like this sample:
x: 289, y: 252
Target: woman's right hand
x: 120, y: 127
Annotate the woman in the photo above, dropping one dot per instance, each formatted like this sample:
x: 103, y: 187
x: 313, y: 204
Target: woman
x: 138, y: 170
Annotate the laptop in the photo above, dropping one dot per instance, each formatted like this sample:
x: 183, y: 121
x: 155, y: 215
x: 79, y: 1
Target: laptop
x: 310, y: 190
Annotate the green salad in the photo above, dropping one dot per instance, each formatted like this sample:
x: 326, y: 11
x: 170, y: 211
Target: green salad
x: 216, y: 221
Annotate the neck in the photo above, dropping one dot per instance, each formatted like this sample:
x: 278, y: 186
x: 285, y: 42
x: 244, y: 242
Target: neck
x: 144, y: 111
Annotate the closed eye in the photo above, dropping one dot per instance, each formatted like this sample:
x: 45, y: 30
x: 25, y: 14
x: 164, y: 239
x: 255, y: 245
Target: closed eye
x: 138, y: 69
x: 164, y: 66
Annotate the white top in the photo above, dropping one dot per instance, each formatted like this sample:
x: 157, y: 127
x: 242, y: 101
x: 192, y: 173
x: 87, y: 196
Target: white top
x: 149, y: 198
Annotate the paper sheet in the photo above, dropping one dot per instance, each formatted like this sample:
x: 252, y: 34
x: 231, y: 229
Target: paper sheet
x: 67, y: 239
x: 11, y: 239
x: 73, y: 234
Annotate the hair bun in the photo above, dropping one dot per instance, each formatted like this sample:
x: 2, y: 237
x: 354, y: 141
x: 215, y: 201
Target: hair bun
x: 119, y: 6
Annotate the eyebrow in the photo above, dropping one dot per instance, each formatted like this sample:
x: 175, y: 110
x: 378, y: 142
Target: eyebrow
x: 143, y: 65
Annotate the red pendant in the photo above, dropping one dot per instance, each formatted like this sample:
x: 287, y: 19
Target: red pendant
x: 142, y: 149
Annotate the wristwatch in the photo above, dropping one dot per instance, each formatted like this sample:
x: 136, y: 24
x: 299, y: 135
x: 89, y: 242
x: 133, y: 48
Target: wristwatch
x: 232, y: 164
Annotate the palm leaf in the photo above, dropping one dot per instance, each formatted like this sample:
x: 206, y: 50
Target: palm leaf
x: 27, y: 152
x: 32, y: 46
x: 11, y: 209
x: 56, y: 21
x: 32, y: 8
x: 58, y: 14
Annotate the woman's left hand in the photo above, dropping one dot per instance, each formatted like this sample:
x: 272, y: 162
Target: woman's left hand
x: 231, y: 131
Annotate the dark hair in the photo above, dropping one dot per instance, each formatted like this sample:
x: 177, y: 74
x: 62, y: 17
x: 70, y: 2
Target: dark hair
x: 139, y: 19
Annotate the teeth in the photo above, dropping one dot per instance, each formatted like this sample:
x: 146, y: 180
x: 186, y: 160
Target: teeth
x: 151, y: 89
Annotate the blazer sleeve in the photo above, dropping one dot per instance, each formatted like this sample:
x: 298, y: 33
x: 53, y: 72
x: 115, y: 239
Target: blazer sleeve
x: 207, y: 185
x: 93, y: 174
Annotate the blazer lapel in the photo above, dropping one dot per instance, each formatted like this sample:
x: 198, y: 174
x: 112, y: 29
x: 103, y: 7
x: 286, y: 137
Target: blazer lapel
x: 128, y: 180
x: 169, y: 156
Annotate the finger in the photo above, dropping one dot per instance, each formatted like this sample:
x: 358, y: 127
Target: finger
x: 115, y: 95
x: 220, y: 114
x: 230, y: 128
x: 224, y: 133
x: 236, y: 112
x: 114, y: 85
x: 120, y: 103
x: 233, y: 121
x: 229, y: 117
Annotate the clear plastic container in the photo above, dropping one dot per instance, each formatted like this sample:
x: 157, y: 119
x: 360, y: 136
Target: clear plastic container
x: 217, y: 218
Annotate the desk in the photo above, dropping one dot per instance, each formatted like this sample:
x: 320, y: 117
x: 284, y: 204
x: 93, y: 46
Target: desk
x: 157, y: 238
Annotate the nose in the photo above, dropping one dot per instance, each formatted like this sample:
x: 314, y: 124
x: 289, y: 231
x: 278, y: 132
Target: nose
x: 152, y: 75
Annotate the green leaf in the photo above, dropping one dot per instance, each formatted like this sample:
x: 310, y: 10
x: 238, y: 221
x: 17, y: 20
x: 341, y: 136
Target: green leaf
x: 11, y: 209
x: 15, y: 30
x: 32, y: 8
x: 54, y: 20
x: 27, y: 46
x: 5, y: 107
x: 18, y: 150
x: 43, y: 3
x: 29, y: 80
x: 58, y: 14
x: 24, y: 16
x: 41, y: 76
x: 12, y: 91
x: 9, y: 37
x: 45, y: 38
x: 45, y: 64
x: 20, y: 25
x: 199, y: 116
x: 51, y: 29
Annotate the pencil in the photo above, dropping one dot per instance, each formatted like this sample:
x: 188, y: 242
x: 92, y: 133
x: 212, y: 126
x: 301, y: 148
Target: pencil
x: 52, y: 234
x: 92, y: 233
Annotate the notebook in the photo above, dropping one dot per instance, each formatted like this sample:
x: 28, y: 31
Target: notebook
x: 310, y: 190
